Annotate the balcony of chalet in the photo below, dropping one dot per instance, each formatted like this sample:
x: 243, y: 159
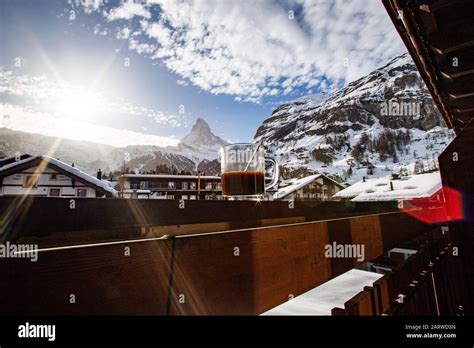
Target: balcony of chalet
x: 153, y: 257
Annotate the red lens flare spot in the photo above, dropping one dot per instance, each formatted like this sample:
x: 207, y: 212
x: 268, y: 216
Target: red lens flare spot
x: 446, y: 205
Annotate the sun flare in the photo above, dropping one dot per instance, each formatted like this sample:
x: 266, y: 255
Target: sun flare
x: 80, y: 104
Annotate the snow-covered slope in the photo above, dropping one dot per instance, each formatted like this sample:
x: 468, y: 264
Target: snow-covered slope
x: 85, y: 155
x: 359, y: 124
x: 199, y: 150
x: 201, y: 140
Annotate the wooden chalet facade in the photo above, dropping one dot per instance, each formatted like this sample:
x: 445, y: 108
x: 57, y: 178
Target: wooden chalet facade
x: 314, y: 187
x: 167, y: 186
x: 43, y: 176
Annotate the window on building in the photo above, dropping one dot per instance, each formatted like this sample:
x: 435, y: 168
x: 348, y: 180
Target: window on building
x: 53, y: 176
x: 192, y: 197
x: 143, y: 185
x: 81, y: 192
x: 209, y: 185
x: 184, y: 185
x: 192, y: 185
x: 31, y: 181
x: 170, y: 197
x: 184, y: 197
x: 54, y: 192
x: 171, y: 184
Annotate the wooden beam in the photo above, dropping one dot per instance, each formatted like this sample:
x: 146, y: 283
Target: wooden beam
x: 452, y: 40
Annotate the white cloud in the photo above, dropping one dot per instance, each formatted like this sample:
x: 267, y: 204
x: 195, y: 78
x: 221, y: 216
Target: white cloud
x: 252, y: 49
x: 141, y: 48
x: 182, y: 82
x: 123, y: 33
x: 100, y: 31
x: 127, y: 10
x: 88, y: 6
x: 27, y: 120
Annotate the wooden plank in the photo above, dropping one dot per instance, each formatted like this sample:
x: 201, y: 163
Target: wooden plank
x: 376, y: 305
x: 452, y: 39
x: 336, y: 311
x: 282, y: 221
x: 271, y: 266
x: 368, y: 232
x: 177, y: 230
x: 103, y: 280
x: 360, y: 304
x: 339, y: 232
x: 47, y: 216
x: 382, y: 291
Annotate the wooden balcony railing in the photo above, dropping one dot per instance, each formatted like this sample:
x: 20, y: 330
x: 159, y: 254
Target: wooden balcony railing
x: 233, y: 258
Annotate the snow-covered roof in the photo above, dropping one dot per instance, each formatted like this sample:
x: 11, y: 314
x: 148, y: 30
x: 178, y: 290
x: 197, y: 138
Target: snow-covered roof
x: 66, y: 168
x: 169, y: 176
x: 361, y: 186
x: 409, y: 187
x: 323, y: 298
x: 299, y: 183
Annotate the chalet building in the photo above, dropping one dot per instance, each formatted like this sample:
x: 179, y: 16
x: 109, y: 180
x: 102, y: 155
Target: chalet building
x: 314, y: 187
x: 167, y: 186
x: 43, y: 176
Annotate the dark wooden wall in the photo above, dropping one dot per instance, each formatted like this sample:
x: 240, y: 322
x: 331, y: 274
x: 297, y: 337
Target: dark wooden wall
x: 52, y: 222
x: 273, y: 264
x: 456, y: 166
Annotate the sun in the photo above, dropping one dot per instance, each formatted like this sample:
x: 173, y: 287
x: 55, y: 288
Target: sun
x: 79, y: 104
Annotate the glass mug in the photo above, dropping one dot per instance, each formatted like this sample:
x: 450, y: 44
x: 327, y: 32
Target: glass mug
x: 243, y: 170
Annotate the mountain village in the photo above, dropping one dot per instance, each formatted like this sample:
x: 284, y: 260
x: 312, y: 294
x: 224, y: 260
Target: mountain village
x: 323, y: 144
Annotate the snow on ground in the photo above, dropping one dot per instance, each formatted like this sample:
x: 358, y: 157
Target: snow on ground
x: 322, y: 299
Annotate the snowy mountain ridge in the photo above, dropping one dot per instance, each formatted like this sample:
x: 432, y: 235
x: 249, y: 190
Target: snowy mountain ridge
x: 197, y: 151
x: 347, y: 131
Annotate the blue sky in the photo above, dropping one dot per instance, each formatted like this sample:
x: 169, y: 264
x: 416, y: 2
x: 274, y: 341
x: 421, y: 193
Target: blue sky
x: 125, y: 72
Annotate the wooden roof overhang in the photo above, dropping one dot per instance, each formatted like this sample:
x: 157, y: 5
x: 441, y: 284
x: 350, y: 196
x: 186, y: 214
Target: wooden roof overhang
x: 439, y: 34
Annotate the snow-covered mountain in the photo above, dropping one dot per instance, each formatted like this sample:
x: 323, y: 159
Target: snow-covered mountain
x: 85, y: 155
x: 197, y: 151
x: 386, y: 119
x: 201, y: 139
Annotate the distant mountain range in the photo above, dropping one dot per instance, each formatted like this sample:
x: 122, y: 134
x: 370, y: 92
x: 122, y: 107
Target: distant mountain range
x: 197, y: 151
x: 386, y: 119
x: 343, y: 133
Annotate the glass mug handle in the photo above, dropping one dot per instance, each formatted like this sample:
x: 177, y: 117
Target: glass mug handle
x: 276, y: 173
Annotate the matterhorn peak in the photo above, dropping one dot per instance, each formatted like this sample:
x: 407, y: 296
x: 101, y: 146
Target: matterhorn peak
x: 202, y: 138
x: 201, y: 125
